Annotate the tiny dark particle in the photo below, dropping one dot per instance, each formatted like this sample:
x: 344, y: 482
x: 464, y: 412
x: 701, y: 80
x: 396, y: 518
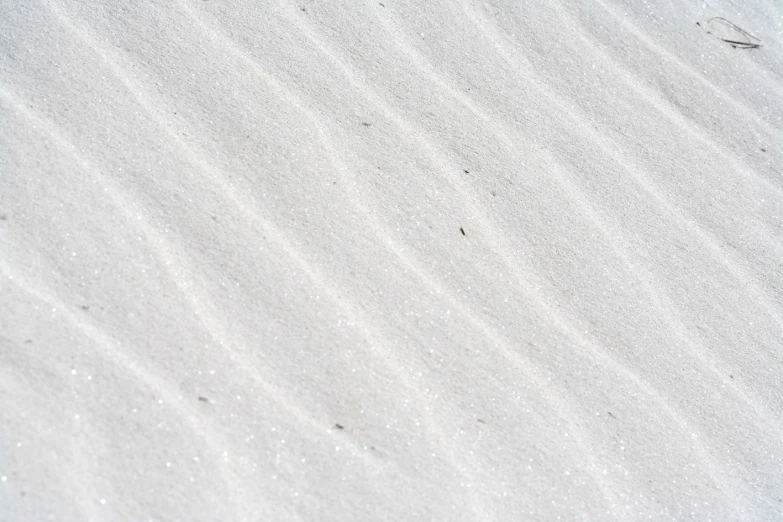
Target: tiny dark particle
x: 366, y: 124
x: 381, y: 4
x: 762, y: 150
x: 466, y: 171
x: 482, y: 421
x: 202, y: 398
x: 304, y: 10
x: 731, y: 376
x: 339, y: 426
x: 462, y: 230
x: 611, y: 414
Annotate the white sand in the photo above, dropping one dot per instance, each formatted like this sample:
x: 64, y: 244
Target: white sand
x: 228, y: 229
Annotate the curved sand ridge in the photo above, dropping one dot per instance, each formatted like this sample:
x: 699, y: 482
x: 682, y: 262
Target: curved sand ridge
x: 385, y: 260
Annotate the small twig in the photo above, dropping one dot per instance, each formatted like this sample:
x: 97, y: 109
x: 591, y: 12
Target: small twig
x: 750, y: 44
x: 744, y: 45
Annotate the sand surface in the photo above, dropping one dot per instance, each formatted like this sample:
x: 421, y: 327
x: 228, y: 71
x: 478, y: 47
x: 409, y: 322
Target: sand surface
x: 398, y: 260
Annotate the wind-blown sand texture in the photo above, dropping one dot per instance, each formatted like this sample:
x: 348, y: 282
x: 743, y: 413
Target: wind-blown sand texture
x: 390, y: 260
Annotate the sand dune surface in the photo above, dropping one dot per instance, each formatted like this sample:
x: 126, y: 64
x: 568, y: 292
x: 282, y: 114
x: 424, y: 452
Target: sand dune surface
x: 468, y: 260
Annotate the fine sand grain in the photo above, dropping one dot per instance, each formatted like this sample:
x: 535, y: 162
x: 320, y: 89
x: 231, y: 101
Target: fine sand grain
x: 398, y: 260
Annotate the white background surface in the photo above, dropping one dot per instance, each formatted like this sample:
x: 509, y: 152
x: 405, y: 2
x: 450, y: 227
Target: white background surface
x: 228, y: 227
